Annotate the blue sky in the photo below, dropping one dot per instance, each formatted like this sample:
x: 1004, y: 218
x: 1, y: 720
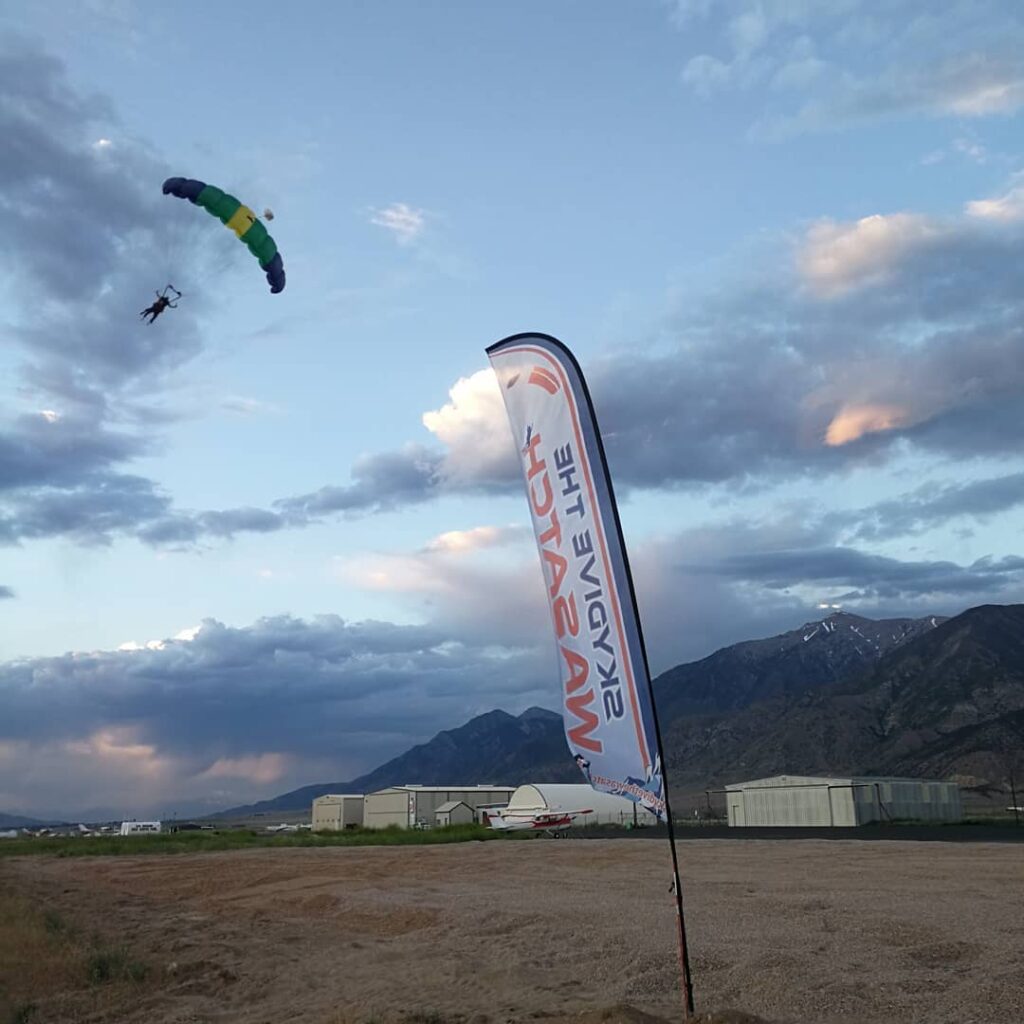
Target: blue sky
x: 275, y: 539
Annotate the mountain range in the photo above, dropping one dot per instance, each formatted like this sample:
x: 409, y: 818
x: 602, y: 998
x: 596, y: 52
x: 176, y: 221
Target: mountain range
x: 930, y: 697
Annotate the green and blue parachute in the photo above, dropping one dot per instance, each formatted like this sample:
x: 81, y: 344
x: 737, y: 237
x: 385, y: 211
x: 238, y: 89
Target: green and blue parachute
x: 238, y: 217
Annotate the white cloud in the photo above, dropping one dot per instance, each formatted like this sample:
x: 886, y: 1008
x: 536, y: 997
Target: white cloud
x: 970, y: 149
x: 402, y: 220
x: 476, y: 539
x: 183, y: 636
x: 706, y: 74
x: 959, y: 60
x: 1006, y: 208
x: 473, y: 426
x: 836, y: 257
x: 748, y: 30
x: 246, y: 406
x: 798, y: 74
x: 996, y: 95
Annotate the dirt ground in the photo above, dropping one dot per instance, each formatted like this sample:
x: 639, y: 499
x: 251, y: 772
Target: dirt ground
x: 801, y: 931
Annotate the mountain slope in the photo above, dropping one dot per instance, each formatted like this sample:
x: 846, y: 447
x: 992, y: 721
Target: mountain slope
x: 495, y: 747
x: 949, y: 702
x: 815, y: 655
x: 931, y: 697
x: 18, y: 821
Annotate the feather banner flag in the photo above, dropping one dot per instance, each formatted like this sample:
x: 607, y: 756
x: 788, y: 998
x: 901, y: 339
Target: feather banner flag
x: 606, y: 693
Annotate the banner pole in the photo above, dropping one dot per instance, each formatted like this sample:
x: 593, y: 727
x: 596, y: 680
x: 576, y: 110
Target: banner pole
x: 677, y: 885
x: 552, y: 392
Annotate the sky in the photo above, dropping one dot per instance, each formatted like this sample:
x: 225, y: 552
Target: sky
x: 273, y: 540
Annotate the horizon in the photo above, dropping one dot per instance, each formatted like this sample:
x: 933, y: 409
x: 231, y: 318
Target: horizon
x: 102, y: 815
x: 273, y: 537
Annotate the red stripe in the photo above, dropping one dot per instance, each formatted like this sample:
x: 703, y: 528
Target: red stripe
x: 545, y: 379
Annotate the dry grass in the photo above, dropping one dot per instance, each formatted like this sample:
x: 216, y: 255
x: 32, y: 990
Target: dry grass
x: 50, y: 969
x: 572, y: 932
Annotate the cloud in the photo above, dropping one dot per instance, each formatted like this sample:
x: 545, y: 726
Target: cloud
x: 1006, y: 208
x: 85, y: 243
x: 402, y: 220
x: 974, y: 151
x: 893, y: 333
x: 935, y: 504
x: 246, y: 406
x: 838, y: 257
x: 706, y: 74
x: 478, y: 538
x: 481, y: 584
x: 6, y: 593
x: 893, y: 330
x: 473, y: 426
x: 957, y: 61
x: 217, y: 715
x: 977, y: 86
x: 870, y: 576
x: 381, y: 483
x: 265, y: 768
x: 220, y: 717
x: 853, y: 422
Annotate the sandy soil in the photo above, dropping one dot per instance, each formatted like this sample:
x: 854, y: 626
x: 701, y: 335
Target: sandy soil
x: 802, y: 931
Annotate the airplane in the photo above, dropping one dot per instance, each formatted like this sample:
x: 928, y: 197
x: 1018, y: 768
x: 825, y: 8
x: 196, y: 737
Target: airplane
x: 549, y: 823
x: 282, y: 828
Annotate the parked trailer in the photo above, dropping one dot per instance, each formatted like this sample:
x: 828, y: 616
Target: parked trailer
x: 135, y: 828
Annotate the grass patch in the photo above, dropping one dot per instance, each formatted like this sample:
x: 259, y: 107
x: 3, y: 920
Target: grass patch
x: 238, y: 839
x: 24, y: 1013
x: 49, y: 971
x: 114, y: 964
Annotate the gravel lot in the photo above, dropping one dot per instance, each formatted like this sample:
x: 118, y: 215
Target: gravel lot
x: 803, y: 931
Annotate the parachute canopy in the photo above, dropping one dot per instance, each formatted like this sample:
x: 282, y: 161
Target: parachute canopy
x: 238, y: 217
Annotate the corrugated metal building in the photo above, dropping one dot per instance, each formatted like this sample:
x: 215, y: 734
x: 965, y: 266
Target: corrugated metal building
x: 604, y: 808
x: 816, y: 800
x: 333, y: 812
x: 417, y: 806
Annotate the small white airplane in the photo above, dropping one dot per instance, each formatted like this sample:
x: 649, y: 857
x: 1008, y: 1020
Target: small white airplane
x: 282, y: 828
x: 549, y: 823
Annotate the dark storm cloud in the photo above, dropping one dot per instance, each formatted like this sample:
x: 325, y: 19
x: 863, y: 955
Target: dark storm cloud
x: 324, y: 687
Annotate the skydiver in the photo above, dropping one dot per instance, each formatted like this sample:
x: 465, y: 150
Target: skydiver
x: 162, y: 303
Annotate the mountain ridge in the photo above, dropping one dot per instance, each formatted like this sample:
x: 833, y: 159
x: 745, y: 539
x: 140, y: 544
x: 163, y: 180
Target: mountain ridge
x: 817, y: 653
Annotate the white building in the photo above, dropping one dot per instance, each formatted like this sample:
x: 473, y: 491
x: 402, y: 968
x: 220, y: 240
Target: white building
x: 417, y: 806
x: 601, y: 808
x: 334, y: 812
x: 815, y: 801
x: 455, y: 812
